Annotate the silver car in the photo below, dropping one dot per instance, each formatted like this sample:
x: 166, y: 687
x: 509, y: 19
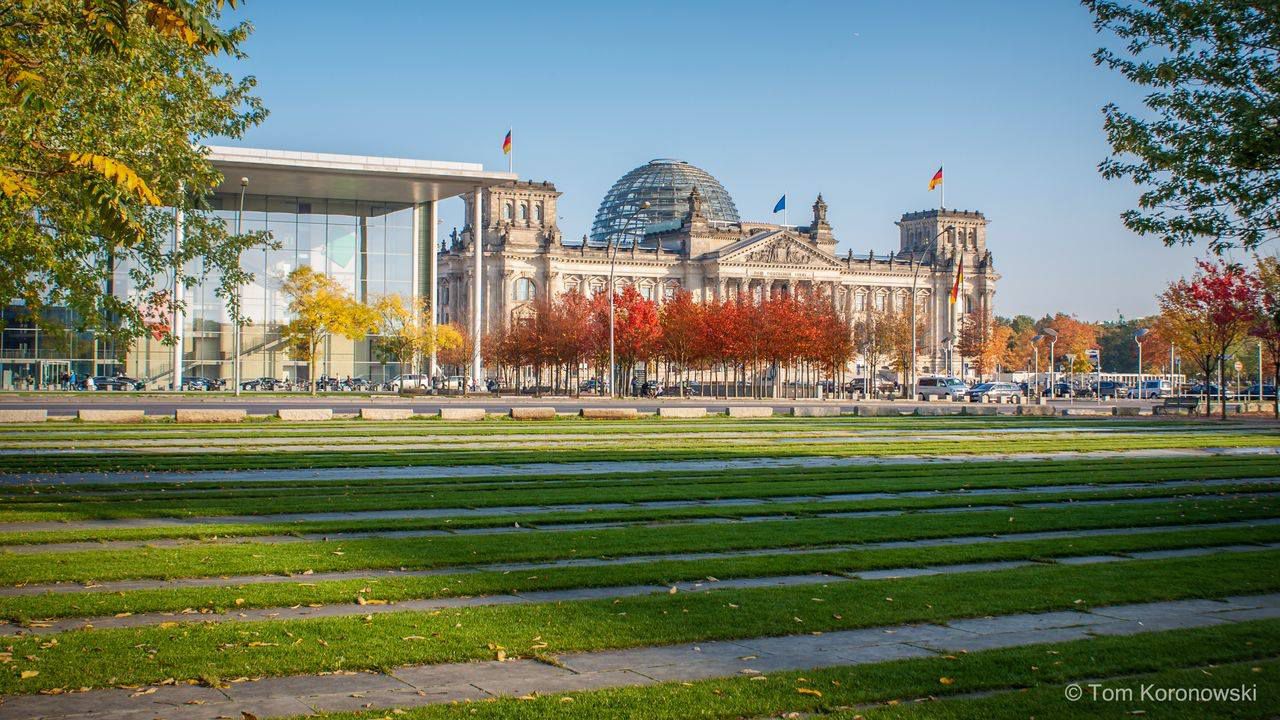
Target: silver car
x: 953, y: 388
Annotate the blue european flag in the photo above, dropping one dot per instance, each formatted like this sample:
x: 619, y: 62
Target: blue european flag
x: 782, y: 204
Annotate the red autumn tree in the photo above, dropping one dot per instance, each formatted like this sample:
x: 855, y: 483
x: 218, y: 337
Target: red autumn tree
x: 682, y: 332
x: 1208, y: 314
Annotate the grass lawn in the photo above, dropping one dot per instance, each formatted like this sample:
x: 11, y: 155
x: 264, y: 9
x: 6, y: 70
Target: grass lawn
x: 220, y: 546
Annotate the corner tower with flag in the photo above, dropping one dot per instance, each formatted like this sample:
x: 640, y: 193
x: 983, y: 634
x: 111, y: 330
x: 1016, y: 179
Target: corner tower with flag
x: 952, y: 245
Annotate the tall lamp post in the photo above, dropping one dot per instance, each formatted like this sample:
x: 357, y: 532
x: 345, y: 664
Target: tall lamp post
x: 613, y: 256
x: 1035, y: 351
x: 1137, y: 340
x: 235, y: 370
x: 1053, y: 370
x: 915, y: 277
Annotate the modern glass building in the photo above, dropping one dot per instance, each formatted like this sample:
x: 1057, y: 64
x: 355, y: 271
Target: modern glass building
x: 369, y: 222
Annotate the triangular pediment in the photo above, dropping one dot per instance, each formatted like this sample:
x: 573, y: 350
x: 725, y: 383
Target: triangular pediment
x: 776, y: 247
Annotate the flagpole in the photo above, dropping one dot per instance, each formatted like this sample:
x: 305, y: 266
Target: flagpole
x: 511, y: 154
x: 942, y: 196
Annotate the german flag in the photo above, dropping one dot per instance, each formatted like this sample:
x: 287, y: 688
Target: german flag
x: 955, y: 289
x: 506, y: 147
x: 937, y: 179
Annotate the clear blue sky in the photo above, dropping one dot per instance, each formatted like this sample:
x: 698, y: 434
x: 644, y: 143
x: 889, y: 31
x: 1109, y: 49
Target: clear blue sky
x: 858, y: 100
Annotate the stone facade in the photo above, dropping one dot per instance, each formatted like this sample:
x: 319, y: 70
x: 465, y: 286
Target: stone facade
x: 526, y: 255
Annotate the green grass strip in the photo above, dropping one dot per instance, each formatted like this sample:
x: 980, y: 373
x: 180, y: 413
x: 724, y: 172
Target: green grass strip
x: 689, y: 448
x: 433, y: 552
x: 728, y: 485
x: 1219, y: 656
x: 26, y: 608
x: 204, y: 531
x: 95, y: 658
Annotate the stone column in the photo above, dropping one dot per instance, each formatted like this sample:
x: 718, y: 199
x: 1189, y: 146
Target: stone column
x: 477, y: 301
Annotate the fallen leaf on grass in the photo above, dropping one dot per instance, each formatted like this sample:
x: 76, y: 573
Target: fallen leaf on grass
x: 27, y: 674
x: 413, y: 637
x: 946, y: 680
x: 809, y: 691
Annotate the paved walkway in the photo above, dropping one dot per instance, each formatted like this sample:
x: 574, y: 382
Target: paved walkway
x: 419, y: 685
x: 230, y: 581
x: 302, y: 612
x: 520, y: 510
x: 593, y: 468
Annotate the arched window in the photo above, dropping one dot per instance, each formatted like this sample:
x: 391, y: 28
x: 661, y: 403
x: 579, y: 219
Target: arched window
x: 537, y: 213
x: 524, y: 290
x: 507, y: 210
x: 524, y: 212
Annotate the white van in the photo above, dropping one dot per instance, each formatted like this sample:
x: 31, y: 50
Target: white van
x: 953, y: 388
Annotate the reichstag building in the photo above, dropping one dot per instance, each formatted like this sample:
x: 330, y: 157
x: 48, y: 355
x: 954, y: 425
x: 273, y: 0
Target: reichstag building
x: 690, y: 236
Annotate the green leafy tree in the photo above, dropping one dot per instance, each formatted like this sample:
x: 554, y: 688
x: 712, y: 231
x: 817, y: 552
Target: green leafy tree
x: 321, y: 308
x: 103, y: 108
x: 1207, y: 151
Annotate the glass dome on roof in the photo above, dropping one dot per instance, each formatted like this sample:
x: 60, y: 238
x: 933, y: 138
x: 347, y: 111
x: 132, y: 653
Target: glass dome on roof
x: 666, y: 185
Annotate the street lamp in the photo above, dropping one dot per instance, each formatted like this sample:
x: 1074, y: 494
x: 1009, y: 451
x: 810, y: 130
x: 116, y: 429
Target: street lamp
x: 1053, y: 369
x: 1035, y: 350
x: 613, y: 256
x: 235, y: 373
x: 915, y: 276
x: 1137, y: 340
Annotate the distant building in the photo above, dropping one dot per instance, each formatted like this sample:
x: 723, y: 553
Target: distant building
x: 691, y: 237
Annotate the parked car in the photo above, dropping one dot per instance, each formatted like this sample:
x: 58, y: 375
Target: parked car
x: 1065, y: 389
x: 202, y: 384
x: 262, y: 383
x: 856, y: 385
x: 112, y: 382
x: 594, y: 385
x: 1110, y: 390
x: 401, y: 383
x: 954, y: 388
x: 1268, y: 392
x: 1154, y: 389
x: 993, y: 392
x: 1209, y: 389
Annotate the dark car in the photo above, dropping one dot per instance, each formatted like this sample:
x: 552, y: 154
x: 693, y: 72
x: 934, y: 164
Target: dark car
x: 1110, y: 389
x: 262, y: 383
x: 113, y: 382
x: 1209, y: 389
x: 1065, y: 389
x: 993, y: 392
x: 856, y: 385
x: 1268, y: 392
x: 202, y: 384
x: 594, y: 385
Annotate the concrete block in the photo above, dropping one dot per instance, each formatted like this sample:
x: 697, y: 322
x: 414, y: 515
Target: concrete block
x: 1125, y: 411
x: 533, y: 413
x: 750, y: 411
x: 982, y: 409
x: 608, y: 413
x: 1036, y: 410
x: 815, y: 411
x: 209, y: 415
x: 386, y: 413
x: 23, y: 416
x: 304, y: 414
x: 111, y: 416
x: 934, y: 411
x: 1085, y: 412
x: 467, y: 414
x: 682, y: 412
x: 877, y: 410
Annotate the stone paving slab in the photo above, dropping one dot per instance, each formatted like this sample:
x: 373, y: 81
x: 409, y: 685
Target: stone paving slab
x: 427, y: 684
x: 594, y: 468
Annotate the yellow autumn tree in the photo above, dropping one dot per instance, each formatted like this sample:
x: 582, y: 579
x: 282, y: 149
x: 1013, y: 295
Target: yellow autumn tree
x: 405, y: 335
x: 321, y: 308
